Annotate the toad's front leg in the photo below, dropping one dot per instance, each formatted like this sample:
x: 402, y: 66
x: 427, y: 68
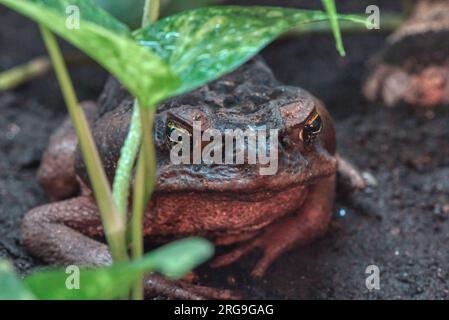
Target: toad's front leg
x: 62, y: 233
x: 309, y: 223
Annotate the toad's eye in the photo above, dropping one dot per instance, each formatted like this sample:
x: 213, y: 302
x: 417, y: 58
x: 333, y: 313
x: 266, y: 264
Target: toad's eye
x: 175, y: 133
x: 312, y: 128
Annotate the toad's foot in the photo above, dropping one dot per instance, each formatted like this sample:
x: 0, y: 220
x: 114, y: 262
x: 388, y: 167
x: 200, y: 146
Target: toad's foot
x: 300, y: 229
x: 156, y: 285
x: 351, y: 176
x: 413, y: 68
x: 63, y: 233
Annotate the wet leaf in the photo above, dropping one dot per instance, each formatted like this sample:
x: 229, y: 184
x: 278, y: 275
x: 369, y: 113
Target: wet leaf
x: 177, y: 258
x: 203, y: 44
x: 105, y: 39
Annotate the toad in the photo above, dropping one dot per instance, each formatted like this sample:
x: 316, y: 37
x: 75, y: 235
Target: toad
x: 229, y: 204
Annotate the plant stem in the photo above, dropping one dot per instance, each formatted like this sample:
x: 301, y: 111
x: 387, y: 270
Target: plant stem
x: 143, y: 188
x: 147, y: 121
x: 113, y: 224
x: 35, y: 68
x: 147, y: 114
x: 150, y: 12
x: 146, y: 168
x: 14, y: 77
x: 331, y: 10
x: 129, y: 150
x: 390, y: 22
x: 126, y: 162
x: 136, y: 221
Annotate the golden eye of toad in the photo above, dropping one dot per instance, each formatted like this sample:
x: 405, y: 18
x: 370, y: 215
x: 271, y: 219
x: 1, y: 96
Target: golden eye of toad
x: 312, y: 128
x: 175, y: 127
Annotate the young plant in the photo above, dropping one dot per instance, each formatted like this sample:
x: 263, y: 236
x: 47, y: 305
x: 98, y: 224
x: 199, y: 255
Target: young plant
x: 173, y: 260
x: 163, y: 59
x: 146, y: 166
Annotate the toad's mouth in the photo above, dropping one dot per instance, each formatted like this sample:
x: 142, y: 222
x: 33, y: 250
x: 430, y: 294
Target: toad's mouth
x: 257, y: 195
x: 245, y: 180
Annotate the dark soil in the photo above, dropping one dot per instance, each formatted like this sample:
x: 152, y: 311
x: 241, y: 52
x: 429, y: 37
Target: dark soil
x: 402, y: 225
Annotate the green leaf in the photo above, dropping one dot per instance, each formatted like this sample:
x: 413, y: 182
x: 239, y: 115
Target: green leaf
x: 203, y: 44
x: 94, y: 284
x: 11, y: 288
x: 145, y: 75
x: 173, y: 260
x: 329, y: 5
x: 177, y: 258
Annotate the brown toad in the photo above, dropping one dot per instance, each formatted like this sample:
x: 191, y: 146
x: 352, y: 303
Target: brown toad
x: 227, y: 204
